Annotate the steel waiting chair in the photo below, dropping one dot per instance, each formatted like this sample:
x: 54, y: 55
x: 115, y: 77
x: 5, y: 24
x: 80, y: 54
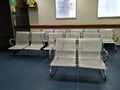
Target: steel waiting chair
x: 21, y: 40
x: 90, y: 55
x: 65, y: 54
x: 107, y: 36
x: 37, y: 41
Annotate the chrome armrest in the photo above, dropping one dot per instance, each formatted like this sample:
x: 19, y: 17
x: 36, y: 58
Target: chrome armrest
x: 11, y: 41
x: 115, y: 38
x: 43, y: 42
x: 105, y: 55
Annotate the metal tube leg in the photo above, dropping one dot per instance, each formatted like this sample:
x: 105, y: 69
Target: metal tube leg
x: 52, y: 71
x: 45, y: 53
x: 115, y: 48
x: 104, y: 75
x: 50, y: 52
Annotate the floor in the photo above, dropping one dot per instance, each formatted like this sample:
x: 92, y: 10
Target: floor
x: 29, y: 70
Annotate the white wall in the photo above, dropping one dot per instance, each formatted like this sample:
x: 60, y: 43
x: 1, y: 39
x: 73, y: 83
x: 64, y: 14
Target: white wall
x: 86, y: 14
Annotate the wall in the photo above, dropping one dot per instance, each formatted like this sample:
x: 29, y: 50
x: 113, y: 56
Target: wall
x: 86, y: 14
x: 33, y: 16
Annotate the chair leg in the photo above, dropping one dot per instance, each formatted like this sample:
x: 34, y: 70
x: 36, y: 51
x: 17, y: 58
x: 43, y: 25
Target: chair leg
x: 115, y: 47
x: 51, y: 54
x: 45, y: 53
x: 52, y: 71
x: 104, y: 75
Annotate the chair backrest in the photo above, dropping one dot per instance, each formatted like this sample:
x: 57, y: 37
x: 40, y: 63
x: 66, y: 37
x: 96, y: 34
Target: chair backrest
x: 66, y: 47
x: 91, y: 35
x: 90, y: 30
x: 22, y: 37
x: 90, y: 48
x: 63, y: 30
x: 68, y: 30
x: 77, y: 30
x: 90, y: 45
x: 54, y: 35
x: 36, y: 30
x: 106, y: 33
x: 73, y: 35
x: 37, y: 37
x: 47, y: 31
x: 60, y: 30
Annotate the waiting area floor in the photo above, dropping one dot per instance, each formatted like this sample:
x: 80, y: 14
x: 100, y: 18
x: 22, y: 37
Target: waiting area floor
x: 29, y: 70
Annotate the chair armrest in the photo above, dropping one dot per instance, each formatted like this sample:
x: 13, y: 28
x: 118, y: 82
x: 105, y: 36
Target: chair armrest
x: 105, y: 55
x: 12, y: 41
x: 43, y: 42
x: 115, y: 38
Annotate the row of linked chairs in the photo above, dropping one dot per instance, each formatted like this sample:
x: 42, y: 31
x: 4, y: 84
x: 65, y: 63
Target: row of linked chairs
x: 36, y: 39
x: 79, y: 53
x: 83, y: 48
x: 107, y: 35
